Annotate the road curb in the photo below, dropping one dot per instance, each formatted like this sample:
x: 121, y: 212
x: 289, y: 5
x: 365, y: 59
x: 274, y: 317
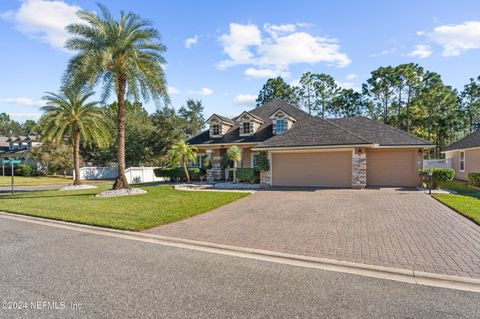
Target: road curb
x: 402, y: 275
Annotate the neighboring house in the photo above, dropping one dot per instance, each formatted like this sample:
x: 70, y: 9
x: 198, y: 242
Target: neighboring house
x: 465, y: 155
x: 310, y: 151
x: 18, y: 148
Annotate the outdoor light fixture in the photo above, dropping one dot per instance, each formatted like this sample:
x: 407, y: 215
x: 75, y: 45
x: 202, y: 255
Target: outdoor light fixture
x: 420, y: 152
x: 359, y: 152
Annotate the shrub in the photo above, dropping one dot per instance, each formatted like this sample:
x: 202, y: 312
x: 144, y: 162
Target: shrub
x: 26, y: 170
x: 263, y: 163
x: 474, y: 179
x: 177, y: 173
x: 438, y: 175
x: 248, y: 175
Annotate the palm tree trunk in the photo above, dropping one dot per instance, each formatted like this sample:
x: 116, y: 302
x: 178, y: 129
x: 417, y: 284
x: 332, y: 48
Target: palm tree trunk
x: 121, y: 181
x: 76, y: 157
x: 184, y: 163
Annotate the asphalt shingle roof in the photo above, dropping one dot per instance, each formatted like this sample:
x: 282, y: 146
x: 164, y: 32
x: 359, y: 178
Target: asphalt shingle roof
x: 469, y: 141
x: 313, y: 131
x: 377, y: 132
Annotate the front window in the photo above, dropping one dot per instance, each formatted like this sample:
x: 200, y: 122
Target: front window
x: 246, y: 128
x: 280, y: 126
x: 462, y: 161
x: 216, y: 129
x: 255, y: 160
x: 198, y: 163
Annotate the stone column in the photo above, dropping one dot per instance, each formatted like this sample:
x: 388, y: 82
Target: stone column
x: 215, y: 173
x: 359, y: 168
x: 265, y: 178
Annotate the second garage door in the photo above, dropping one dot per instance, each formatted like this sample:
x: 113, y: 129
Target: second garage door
x: 389, y: 167
x: 329, y: 169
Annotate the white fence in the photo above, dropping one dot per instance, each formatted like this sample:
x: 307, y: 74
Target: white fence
x: 438, y: 163
x: 134, y: 174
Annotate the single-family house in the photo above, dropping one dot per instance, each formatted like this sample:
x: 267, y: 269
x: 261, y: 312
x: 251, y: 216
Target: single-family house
x: 18, y: 147
x: 465, y: 155
x: 305, y: 150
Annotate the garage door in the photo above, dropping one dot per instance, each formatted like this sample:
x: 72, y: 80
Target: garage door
x: 330, y: 169
x: 392, y: 168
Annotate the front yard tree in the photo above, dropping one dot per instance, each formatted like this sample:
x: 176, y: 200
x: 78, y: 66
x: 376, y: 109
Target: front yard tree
x: 471, y: 103
x: 123, y: 55
x: 181, y: 153
x: 234, y: 154
x: 69, y: 117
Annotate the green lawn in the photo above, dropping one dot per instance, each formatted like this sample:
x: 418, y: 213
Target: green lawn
x: 161, y: 205
x: 41, y: 180
x: 466, y: 202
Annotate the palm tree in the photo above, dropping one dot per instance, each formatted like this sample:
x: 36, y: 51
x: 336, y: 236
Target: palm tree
x: 234, y: 154
x: 69, y: 117
x: 123, y: 55
x: 181, y: 153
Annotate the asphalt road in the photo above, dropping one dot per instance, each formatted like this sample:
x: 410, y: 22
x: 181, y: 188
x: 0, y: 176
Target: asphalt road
x: 105, y: 277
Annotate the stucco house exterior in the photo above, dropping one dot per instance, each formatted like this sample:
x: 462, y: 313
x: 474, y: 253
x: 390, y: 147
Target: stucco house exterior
x: 465, y: 155
x: 305, y: 150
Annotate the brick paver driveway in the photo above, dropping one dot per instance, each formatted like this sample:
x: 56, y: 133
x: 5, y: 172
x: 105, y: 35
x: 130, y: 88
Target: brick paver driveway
x: 386, y: 227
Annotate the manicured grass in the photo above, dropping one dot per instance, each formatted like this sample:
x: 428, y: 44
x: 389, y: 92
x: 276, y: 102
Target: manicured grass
x: 466, y: 202
x: 41, y: 180
x: 161, y: 205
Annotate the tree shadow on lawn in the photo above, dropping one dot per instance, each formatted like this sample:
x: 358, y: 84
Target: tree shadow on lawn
x: 8, y: 197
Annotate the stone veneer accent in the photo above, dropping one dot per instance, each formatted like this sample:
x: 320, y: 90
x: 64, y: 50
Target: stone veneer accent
x: 216, y: 172
x: 265, y: 178
x: 359, y: 170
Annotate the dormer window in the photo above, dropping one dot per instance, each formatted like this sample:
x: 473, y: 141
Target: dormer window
x: 216, y: 129
x: 219, y: 125
x: 280, y: 125
x: 246, y: 128
x: 248, y: 123
x: 282, y: 121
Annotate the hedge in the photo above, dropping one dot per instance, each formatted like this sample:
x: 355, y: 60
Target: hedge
x: 474, y: 179
x: 26, y: 170
x: 438, y: 175
x: 248, y: 175
x: 178, y: 174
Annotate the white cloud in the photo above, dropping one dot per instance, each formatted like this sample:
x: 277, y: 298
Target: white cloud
x: 237, y: 43
x: 44, y: 19
x: 421, y: 51
x: 264, y: 73
x: 189, y: 42
x: 278, y: 47
x: 23, y: 101
x: 173, y: 90
x: 22, y: 116
x: 456, y: 39
x: 245, y: 99
x: 351, y: 77
x: 203, y: 91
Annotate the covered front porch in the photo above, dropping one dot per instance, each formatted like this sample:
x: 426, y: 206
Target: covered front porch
x: 215, y: 153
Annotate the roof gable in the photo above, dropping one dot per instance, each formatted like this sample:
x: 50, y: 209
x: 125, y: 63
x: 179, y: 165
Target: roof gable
x: 469, y: 141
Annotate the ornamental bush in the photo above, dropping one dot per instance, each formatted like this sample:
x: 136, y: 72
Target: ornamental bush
x: 248, y: 175
x: 263, y: 163
x: 438, y: 175
x: 474, y: 179
x: 175, y: 174
x: 26, y: 170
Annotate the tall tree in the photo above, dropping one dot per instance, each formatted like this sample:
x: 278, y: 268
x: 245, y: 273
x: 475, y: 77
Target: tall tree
x: 276, y: 88
x: 70, y: 117
x: 380, y: 90
x: 29, y: 127
x: 9, y: 127
x: 234, y: 154
x: 192, y: 116
x: 124, y: 55
x: 326, y: 89
x: 471, y: 103
x: 306, y: 91
x: 348, y: 103
x: 412, y: 76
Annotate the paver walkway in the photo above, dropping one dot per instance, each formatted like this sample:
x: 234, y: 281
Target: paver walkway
x: 386, y: 227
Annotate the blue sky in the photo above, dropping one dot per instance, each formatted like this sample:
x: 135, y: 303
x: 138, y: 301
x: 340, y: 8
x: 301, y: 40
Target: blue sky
x: 223, y: 51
